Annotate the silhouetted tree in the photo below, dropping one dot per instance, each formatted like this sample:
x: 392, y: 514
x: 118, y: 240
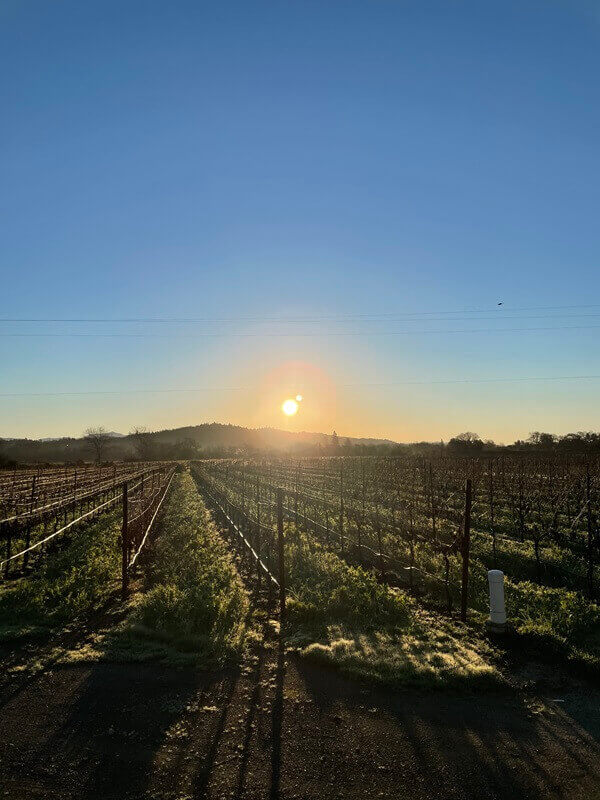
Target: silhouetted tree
x: 544, y: 441
x: 144, y: 443
x: 467, y: 442
x: 97, y: 439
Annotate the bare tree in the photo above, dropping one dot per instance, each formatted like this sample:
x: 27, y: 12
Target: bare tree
x: 98, y: 439
x: 144, y: 443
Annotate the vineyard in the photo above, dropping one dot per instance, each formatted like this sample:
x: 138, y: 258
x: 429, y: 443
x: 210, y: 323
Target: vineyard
x: 432, y: 528
x: 349, y: 538
x: 268, y: 583
x: 41, y: 509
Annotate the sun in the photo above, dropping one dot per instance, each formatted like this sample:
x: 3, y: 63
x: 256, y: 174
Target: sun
x: 289, y: 407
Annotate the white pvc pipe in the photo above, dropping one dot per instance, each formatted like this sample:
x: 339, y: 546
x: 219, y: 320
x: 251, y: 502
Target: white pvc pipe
x: 497, y: 609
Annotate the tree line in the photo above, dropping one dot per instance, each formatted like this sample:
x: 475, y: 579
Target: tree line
x: 100, y: 445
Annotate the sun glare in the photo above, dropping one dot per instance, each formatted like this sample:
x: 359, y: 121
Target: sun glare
x: 289, y: 407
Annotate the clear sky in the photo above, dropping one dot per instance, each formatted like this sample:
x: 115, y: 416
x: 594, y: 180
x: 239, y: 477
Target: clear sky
x: 289, y: 173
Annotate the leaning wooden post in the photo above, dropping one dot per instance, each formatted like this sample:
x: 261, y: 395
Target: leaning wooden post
x: 466, y: 540
x: 8, y: 549
x: 590, y: 532
x: 124, y: 547
x: 258, y: 531
x: 280, y: 552
x: 296, y: 500
x: 243, y: 488
x: 342, y: 507
x: 28, y: 528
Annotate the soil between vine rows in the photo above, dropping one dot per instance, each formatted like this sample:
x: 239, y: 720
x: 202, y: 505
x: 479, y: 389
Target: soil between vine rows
x: 284, y: 730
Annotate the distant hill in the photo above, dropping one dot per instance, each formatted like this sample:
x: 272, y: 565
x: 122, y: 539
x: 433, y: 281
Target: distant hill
x: 112, y: 434
x: 215, y: 434
x: 187, y: 442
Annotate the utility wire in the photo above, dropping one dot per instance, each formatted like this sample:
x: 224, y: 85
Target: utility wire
x: 316, y: 320
x: 287, y: 334
x: 557, y: 378
x: 310, y: 318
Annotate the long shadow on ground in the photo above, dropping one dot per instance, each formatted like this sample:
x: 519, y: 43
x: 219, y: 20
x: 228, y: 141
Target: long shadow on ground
x: 444, y: 744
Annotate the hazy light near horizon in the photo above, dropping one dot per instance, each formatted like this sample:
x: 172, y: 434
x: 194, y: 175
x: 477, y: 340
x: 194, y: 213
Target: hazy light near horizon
x: 289, y: 407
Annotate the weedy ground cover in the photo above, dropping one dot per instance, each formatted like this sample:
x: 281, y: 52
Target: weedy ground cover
x: 75, y: 580
x: 194, y: 597
x: 341, y: 616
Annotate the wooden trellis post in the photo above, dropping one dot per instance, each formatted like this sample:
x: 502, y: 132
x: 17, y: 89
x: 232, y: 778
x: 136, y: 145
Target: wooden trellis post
x: 280, y: 552
x: 590, y: 531
x: 466, y: 541
x: 342, y: 507
x: 28, y: 528
x: 258, y: 531
x: 125, y: 547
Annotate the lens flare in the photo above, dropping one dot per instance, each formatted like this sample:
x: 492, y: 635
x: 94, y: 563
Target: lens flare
x: 299, y: 398
x: 289, y: 407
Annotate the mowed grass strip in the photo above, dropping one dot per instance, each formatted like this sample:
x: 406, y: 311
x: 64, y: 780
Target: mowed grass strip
x: 194, y: 598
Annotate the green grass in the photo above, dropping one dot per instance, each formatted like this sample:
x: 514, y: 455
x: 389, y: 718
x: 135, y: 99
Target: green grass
x: 67, y: 585
x: 554, y: 620
x: 194, y: 600
x: 341, y: 616
x: 324, y: 588
x: 347, y: 619
x: 193, y: 607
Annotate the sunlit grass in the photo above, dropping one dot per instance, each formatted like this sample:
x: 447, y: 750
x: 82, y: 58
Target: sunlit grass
x: 431, y: 652
x: 194, y: 599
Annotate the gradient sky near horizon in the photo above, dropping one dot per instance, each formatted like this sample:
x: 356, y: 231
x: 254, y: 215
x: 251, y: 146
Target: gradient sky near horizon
x: 338, y: 193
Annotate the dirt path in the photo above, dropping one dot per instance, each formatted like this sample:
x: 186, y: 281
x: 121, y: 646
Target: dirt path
x: 281, y: 729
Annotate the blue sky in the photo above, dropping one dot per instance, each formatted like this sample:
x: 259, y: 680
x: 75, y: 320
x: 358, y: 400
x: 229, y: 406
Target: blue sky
x: 244, y: 162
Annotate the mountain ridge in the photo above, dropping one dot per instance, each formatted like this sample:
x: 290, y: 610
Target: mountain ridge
x: 184, y: 442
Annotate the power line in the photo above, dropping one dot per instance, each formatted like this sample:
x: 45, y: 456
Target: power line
x: 310, y: 318
x: 555, y: 378
x: 314, y: 321
x: 287, y: 334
